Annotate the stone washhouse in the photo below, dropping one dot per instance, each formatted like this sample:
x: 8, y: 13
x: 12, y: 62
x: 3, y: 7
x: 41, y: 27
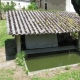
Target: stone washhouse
x: 43, y: 31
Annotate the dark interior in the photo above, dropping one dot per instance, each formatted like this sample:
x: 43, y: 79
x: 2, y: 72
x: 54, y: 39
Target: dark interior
x: 65, y: 39
x: 23, y: 47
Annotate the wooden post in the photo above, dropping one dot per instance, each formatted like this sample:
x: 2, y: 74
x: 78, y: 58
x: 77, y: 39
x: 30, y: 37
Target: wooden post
x: 79, y: 40
x: 18, y: 42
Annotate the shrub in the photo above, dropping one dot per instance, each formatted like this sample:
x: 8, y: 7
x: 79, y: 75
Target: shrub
x: 67, y: 67
x: 32, y: 6
x: 19, y: 58
x: 23, y: 8
x: 5, y: 7
x: 78, y: 64
x: 74, y: 35
x: 2, y: 6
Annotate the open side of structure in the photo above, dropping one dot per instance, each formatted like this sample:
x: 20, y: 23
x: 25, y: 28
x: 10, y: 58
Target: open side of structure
x: 43, y: 31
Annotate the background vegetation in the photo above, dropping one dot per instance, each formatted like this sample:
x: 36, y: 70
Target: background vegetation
x: 5, y: 7
x: 32, y: 6
x: 3, y: 33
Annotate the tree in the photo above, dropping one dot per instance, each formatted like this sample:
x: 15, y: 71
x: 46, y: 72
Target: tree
x: 32, y: 6
x: 7, y: 7
x: 76, y: 5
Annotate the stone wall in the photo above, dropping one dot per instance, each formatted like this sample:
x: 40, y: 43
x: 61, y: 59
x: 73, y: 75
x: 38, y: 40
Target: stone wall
x: 53, y: 4
x: 56, y: 5
x: 41, y: 41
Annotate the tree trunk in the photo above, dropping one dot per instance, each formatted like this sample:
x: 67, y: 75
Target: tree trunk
x: 0, y: 12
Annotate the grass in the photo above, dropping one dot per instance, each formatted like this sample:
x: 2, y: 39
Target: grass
x: 71, y: 75
x: 78, y: 64
x: 67, y: 67
x: 6, y: 74
x: 3, y: 33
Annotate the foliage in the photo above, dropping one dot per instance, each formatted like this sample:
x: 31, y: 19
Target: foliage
x: 9, y: 7
x: 32, y: 1
x: 19, y: 58
x: 67, y: 67
x: 75, y: 35
x: 77, y: 1
x: 21, y: 61
x: 78, y: 64
x: 73, y: 75
x: 1, y: 6
x: 23, y: 8
x: 3, y: 33
x: 5, y: 7
x: 76, y: 5
x: 35, y: 78
x: 27, y: 72
x: 32, y: 6
x: 6, y: 74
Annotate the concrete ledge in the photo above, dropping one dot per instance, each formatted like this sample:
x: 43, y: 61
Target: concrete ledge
x: 50, y: 69
x: 44, y: 50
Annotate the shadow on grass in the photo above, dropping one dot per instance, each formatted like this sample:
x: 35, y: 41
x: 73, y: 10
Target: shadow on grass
x: 10, y: 49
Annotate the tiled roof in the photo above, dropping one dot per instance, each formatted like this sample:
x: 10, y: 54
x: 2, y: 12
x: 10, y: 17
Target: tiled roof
x: 41, y: 22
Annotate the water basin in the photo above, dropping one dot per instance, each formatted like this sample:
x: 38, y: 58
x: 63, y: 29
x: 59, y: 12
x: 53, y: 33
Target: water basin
x: 53, y: 59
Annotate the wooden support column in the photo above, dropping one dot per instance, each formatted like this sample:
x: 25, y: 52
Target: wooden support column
x: 18, y: 43
x: 79, y: 41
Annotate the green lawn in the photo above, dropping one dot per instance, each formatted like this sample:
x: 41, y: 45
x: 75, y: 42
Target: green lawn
x: 6, y: 74
x: 71, y: 75
x: 3, y: 33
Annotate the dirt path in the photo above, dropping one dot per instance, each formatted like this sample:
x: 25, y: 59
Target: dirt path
x: 3, y: 62
x: 19, y: 72
x: 2, y: 55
